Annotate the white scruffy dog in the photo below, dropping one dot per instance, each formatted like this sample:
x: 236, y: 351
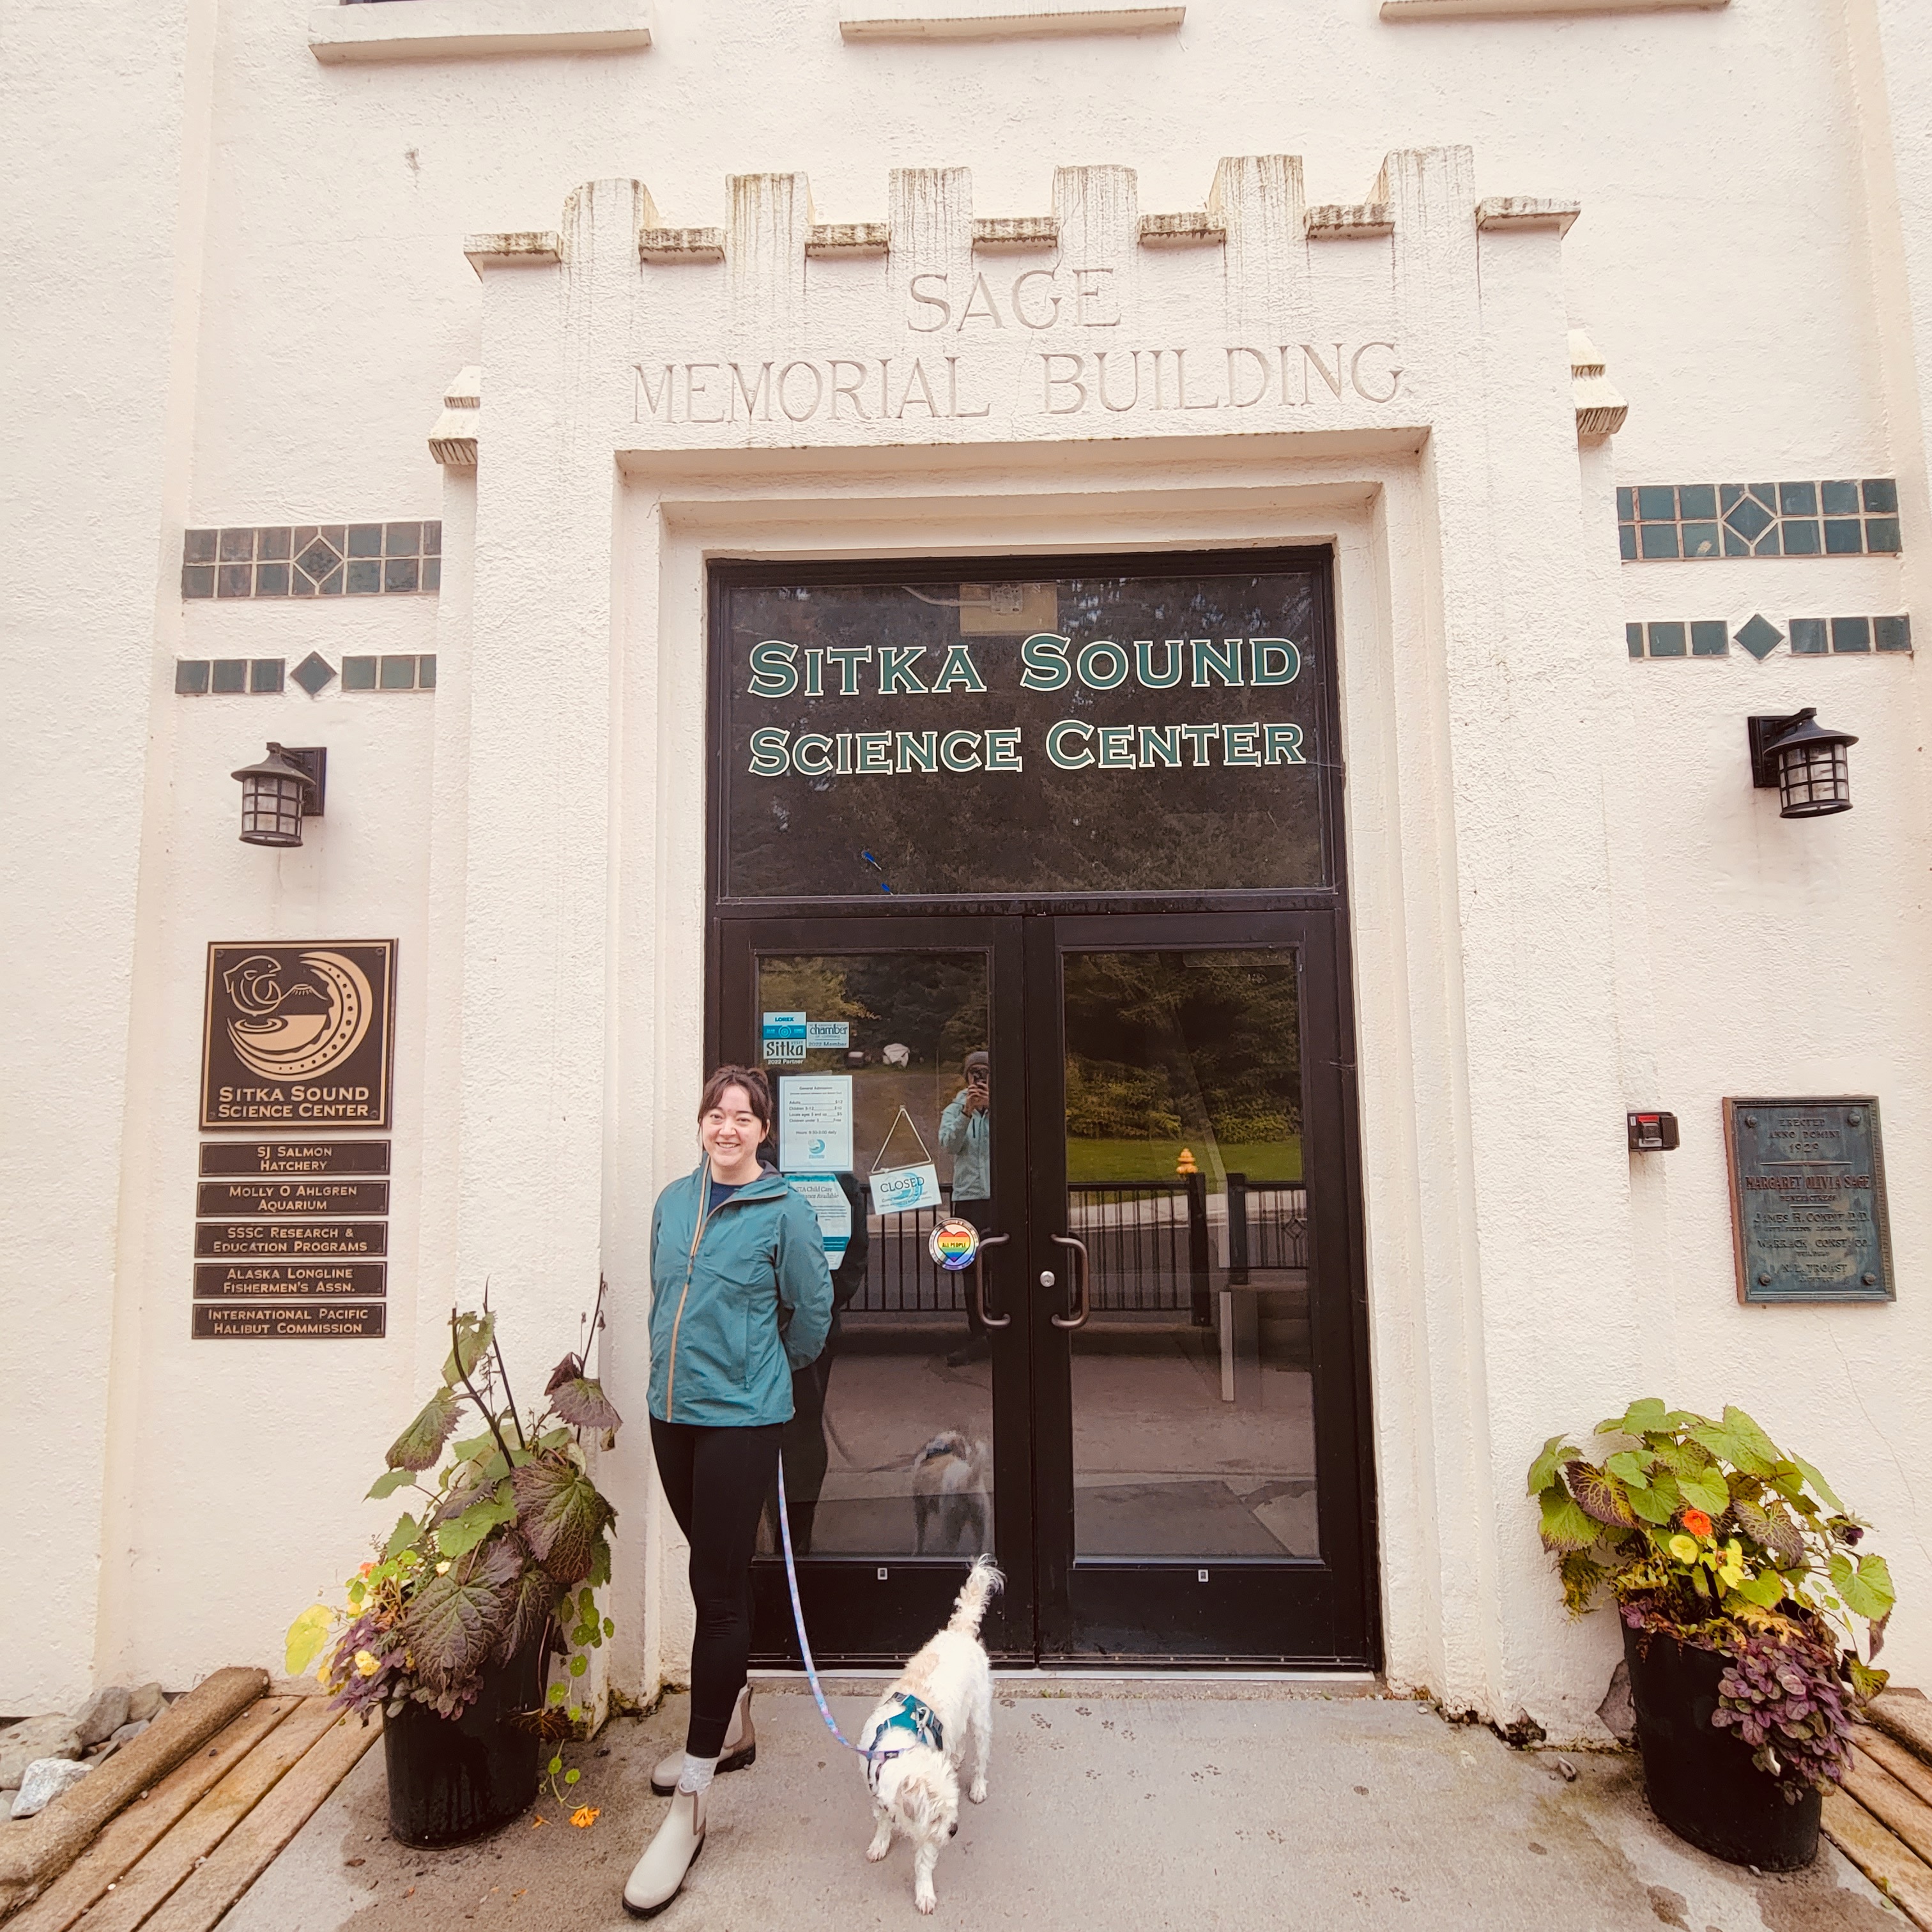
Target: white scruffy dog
x: 937, y: 1715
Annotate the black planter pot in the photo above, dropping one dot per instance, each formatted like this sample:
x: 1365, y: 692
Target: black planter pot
x: 1701, y: 1780
x: 451, y: 1778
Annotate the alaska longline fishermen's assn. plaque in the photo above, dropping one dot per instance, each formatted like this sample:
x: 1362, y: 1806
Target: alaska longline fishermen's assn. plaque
x: 292, y: 1229
x: 1808, y: 1200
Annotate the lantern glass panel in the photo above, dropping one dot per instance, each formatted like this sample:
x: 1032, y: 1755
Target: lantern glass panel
x: 271, y: 811
x: 1812, y: 780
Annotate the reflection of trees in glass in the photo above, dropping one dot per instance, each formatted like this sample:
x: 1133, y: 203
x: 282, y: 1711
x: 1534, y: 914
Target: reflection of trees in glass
x: 816, y: 987
x: 1204, y: 1044
x: 933, y: 1002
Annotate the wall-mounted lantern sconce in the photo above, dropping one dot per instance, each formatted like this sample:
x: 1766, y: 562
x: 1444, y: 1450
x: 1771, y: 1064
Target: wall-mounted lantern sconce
x: 279, y: 793
x: 1804, y: 761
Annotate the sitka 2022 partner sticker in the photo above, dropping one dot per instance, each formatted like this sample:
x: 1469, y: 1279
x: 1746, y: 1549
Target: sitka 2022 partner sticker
x: 299, y: 1036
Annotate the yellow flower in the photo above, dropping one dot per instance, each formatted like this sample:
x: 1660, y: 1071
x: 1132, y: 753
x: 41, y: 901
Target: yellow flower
x: 1683, y: 1549
x: 442, y: 1569
x: 584, y: 1817
x: 367, y: 1663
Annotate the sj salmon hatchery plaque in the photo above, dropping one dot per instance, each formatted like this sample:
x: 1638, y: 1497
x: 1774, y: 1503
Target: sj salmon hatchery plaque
x: 297, y: 1037
x: 1808, y: 1200
x: 262, y: 1158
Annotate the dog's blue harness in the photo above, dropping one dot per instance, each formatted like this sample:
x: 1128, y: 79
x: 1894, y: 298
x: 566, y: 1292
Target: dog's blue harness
x: 913, y: 1717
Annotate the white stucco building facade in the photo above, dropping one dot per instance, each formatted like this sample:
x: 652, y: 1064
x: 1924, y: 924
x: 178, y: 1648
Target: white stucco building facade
x: 797, y: 285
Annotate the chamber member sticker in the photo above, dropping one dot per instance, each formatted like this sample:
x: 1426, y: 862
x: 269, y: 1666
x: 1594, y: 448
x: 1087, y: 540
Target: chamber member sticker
x: 954, y: 1245
x: 299, y: 1037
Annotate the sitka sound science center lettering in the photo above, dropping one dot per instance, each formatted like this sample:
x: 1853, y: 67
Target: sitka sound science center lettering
x: 298, y: 1037
x: 1150, y: 724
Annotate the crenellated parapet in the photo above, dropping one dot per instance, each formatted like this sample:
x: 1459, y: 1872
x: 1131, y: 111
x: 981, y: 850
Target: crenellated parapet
x: 1258, y: 310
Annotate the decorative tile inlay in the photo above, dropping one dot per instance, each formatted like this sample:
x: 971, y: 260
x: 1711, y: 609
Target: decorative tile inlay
x: 394, y: 673
x: 1809, y: 636
x: 196, y: 677
x: 314, y: 673
x: 313, y: 560
x: 1847, y: 517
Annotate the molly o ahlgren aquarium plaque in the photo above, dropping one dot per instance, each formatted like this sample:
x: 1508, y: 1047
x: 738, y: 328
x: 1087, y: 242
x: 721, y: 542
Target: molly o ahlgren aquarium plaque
x: 1808, y: 1200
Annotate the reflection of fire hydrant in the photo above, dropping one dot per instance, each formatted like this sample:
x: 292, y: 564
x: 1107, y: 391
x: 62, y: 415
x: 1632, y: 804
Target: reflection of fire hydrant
x: 1185, y: 1165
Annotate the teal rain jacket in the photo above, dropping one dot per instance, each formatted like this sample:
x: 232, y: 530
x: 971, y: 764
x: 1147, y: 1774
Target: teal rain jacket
x: 739, y: 1298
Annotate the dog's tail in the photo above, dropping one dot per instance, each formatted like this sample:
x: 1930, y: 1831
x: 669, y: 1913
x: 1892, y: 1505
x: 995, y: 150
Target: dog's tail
x: 983, y: 1582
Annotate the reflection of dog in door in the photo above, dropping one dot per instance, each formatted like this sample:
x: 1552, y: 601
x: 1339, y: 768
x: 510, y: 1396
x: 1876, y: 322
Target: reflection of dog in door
x: 951, y: 1481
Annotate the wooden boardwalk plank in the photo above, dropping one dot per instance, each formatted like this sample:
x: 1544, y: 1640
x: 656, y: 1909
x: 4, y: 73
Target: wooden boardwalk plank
x: 196, y: 1835
x: 1904, y: 1879
x: 1907, y: 1766
x: 126, y: 1838
x: 252, y: 1846
x: 1885, y: 1798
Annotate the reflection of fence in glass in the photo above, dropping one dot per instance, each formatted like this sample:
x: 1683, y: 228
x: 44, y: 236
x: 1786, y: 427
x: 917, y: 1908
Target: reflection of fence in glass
x: 1153, y: 1246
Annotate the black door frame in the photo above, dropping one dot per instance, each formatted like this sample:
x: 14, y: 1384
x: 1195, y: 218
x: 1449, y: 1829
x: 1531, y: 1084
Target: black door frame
x: 1341, y: 1340
x: 1174, y: 1611
x: 871, y: 1620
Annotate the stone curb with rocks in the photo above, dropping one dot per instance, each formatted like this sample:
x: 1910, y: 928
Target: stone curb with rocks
x: 109, y: 1719
x: 34, y: 1852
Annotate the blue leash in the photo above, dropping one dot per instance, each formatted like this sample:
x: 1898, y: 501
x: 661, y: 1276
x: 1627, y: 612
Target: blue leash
x: 872, y: 1755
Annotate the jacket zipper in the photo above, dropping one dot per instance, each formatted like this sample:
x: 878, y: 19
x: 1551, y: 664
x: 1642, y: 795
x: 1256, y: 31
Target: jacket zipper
x: 690, y: 1263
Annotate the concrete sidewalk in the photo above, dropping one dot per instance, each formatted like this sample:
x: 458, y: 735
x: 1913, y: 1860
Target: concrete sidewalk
x: 1116, y: 1806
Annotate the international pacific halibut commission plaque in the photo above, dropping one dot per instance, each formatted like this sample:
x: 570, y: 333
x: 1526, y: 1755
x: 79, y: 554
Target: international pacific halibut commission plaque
x: 299, y: 1037
x: 1808, y: 1200
x: 300, y: 1321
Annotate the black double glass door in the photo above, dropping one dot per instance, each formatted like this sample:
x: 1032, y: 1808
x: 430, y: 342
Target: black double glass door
x: 1148, y: 1397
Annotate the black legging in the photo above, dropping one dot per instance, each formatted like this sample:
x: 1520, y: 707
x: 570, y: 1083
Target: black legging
x: 716, y: 1480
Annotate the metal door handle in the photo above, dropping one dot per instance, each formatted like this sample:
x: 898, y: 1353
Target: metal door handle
x: 979, y: 1283
x: 1083, y: 1306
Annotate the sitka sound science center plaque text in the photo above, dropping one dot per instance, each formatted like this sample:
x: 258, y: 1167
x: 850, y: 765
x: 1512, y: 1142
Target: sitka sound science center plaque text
x: 299, y: 1037
x: 291, y: 1230
x: 1808, y: 1200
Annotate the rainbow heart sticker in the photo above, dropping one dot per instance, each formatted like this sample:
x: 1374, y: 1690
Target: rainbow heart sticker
x: 953, y: 1245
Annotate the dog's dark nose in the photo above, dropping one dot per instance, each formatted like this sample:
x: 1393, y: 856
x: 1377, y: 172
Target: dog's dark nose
x: 954, y: 1832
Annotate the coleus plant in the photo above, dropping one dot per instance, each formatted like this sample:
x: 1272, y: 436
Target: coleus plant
x: 1708, y: 1532
x: 510, y: 1542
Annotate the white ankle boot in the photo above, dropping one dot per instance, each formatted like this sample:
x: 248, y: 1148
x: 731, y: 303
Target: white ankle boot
x: 656, y: 1877
x: 741, y: 1749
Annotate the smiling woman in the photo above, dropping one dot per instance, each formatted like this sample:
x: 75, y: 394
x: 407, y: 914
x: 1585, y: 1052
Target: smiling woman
x: 741, y: 1299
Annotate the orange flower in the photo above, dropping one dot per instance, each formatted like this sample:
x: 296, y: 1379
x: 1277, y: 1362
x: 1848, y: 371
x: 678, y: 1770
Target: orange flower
x: 584, y: 1817
x: 1696, y: 1523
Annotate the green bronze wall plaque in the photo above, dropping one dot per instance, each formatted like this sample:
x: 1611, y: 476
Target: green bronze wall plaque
x: 1808, y: 1200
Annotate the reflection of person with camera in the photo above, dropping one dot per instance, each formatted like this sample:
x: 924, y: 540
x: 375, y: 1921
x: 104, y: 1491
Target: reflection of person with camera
x: 966, y: 1132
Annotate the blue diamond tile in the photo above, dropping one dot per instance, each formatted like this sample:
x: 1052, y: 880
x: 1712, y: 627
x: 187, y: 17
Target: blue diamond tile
x: 1748, y: 517
x: 1760, y: 636
x: 313, y: 673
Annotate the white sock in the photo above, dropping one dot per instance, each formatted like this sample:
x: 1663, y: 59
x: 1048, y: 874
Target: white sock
x: 696, y: 1775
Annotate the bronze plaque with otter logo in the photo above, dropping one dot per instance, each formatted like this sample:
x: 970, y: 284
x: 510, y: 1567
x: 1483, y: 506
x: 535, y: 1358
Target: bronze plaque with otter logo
x: 299, y: 1037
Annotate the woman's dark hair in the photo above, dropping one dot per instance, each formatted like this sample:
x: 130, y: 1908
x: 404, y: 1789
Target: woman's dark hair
x: 757, y: 1092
